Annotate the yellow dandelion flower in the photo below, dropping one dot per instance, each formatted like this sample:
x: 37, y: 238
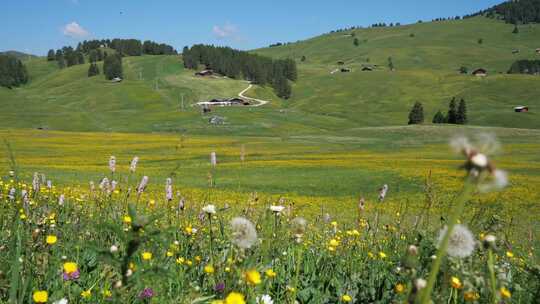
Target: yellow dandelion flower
x: 127, y: 219
x: 334, y: 243
x: 147, y: 256
x: 180, y: 260
x: 399, y: 288
x: 456, y: 283
x: 169, y: 254
x: 505, y: 293
x: 235, y: 298
x: 270, y: 273
x: 227, y: 269
x: 209, y: 269
x: 70, y: 267
x: 382, y: 255
x: 346, y: 298
x: 510, y: 254
x: 471, y: 296
x: 40, y: 296
x: 86, y: 294
x: 51, y: 239
x: 253, y: 277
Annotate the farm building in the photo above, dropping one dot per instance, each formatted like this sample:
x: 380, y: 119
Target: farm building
x: 224, y: 102
x: 480, y: 72
x: 204, y: 73
x: 345, y: 70
x: 367, y: 68
x: 521, y: 109
x: 116, y: 79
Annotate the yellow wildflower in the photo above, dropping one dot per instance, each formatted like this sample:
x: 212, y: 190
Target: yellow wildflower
x: 253, y: 277
x: 334, y: 243
x: 505, y: 293
x: 382, y: 255
x: 86, y: 294
x: 399, y: 288
x: 209, y: 269
x: 510, y: 254
x: 235, y: 298
x: 70, y: 267
x: 456, y: 283
x: 127, y: 219
x: 346, y: 298
x: 51, y: 239
x: 147, y: 256
x: 40, y: 296
x: 270, y: 273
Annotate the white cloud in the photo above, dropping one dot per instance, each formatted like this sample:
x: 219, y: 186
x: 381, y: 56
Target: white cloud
x: 74, y: 30
x: 226, y: 31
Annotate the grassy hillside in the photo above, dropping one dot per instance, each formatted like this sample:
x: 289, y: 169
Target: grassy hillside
x: 427, y: 57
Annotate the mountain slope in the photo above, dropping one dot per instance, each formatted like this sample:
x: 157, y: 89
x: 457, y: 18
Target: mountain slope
x: 427, y: 57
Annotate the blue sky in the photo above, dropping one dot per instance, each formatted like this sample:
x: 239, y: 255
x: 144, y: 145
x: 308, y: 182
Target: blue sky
x: 37, y: 25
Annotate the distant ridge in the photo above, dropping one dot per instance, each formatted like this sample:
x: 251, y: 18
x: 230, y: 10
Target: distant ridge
x: 17, y: 54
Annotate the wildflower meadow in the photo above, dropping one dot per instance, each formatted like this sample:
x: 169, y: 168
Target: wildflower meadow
x: 130, y: 238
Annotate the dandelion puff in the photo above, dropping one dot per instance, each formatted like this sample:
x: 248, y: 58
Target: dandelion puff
x: 298, y: 225
x: 461, y: 242
x: 112, y: 164
x: 277, y: 209
x: 209, y: 209
x: 264, y: 299
x: 61, y: 199
x: 461, y: 144
x: 244, y: 234
x: 133, y: 165
x: 497, y: 181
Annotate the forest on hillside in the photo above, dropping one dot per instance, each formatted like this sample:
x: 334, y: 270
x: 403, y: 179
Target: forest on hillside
x: 240, y: 64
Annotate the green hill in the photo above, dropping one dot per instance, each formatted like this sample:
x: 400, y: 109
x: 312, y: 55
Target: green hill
x: 427, y: 58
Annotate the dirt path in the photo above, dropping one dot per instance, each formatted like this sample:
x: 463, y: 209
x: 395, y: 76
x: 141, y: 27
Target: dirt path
x: 260, y: 101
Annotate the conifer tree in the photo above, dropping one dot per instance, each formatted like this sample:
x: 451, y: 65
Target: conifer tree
x: 451, y: 118
x: 61, y: 61
x: 51, y: 55
x: 93, y: 70
x: 461, y: 115
x: 112, y: 67
x: 356, y: 42
x: 416, y: 115
x: 439, y: 118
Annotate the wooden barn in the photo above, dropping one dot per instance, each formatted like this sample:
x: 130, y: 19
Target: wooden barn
x: 520, y: 109
x: 204, y: 73
x: 480, y: 72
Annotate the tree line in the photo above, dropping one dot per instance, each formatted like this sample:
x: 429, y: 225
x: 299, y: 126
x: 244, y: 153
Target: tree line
x: 240, y: 64
x: 522, y: 11
x: 457, y: 113
x: 12, y: 71
x: 525, y: 67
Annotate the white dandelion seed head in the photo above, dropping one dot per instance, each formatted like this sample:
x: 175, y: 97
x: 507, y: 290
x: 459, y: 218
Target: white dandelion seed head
x: 461, y: 144
x: 298, y: 225
x: 113, y: 249
x: 420, y: 284
x: 61, y: 199
x: 264, y: 299
x: 277, y: 209
x: 244, y: 234
x: 496, y: 181
x: 209, y: 209
x: 490, y: 238
x: 480, y: 160
x: 61, y: 301
x: 461, y: 243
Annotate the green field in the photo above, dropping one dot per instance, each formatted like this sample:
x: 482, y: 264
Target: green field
x: 341, y: 137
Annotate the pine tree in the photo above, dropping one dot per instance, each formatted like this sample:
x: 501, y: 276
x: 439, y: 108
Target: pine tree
x: 461, y: 117
x: 303, y: 58
x: 93, y: 70
x: 416, y: 115
x: 61, y: 61
x: 516, y: 30
x: 439, y: 118
x: 51, y: 55
x: 356, y: 42
x: 451, y: 118
x: 80, y: 58
x: 112, y: 67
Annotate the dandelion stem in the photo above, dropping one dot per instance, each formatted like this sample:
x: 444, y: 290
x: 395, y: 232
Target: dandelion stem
x: 456, y: 212
x: 492, y: 281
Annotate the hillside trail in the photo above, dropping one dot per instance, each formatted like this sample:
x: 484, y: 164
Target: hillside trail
x: 260, y: 101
